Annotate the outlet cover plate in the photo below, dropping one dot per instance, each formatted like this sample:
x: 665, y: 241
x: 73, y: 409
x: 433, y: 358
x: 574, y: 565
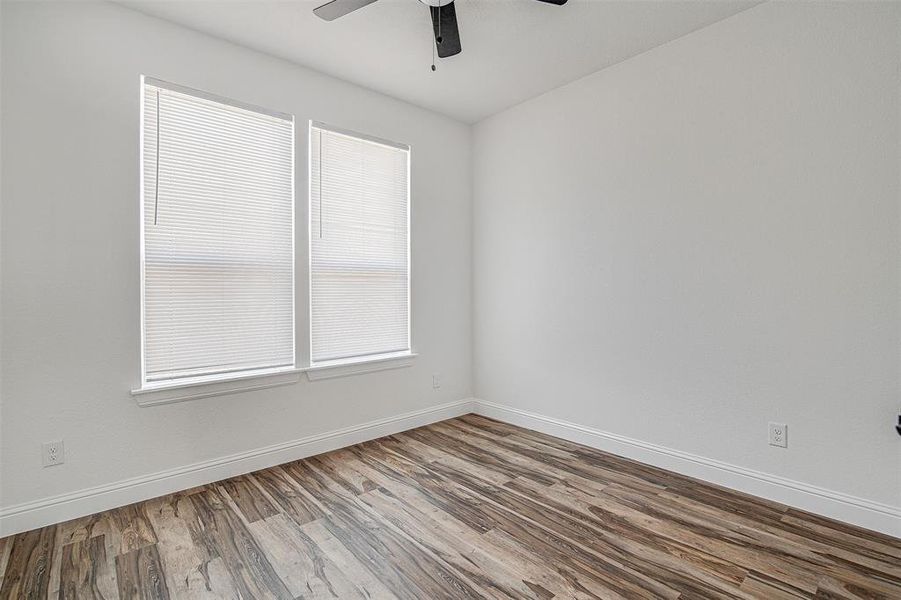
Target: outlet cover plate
x: 778, y: 435
x: 53, y: 453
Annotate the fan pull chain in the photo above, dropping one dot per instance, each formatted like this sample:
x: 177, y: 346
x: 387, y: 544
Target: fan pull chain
x: 437, y: 38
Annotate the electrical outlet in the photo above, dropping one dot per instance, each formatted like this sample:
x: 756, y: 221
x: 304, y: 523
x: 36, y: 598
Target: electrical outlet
x: 436, y: 381
x: 779, y: 435
x: 53, y: 453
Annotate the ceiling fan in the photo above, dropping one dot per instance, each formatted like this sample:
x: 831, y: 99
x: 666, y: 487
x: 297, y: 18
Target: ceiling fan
x: 444, y: 19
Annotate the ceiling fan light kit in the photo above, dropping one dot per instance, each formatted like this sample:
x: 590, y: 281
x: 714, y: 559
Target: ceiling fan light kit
x: 444, y: 20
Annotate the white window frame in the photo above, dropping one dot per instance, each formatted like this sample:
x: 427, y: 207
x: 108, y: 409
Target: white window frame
x: 168, y: 391
x: 372, y: 362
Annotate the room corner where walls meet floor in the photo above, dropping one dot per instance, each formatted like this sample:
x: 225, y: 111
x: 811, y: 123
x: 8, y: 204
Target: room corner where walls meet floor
x: 856, y: 511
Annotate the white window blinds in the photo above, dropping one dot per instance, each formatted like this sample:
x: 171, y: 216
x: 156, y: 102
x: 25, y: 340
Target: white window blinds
x: 359, y: 246
x: 218, y: 237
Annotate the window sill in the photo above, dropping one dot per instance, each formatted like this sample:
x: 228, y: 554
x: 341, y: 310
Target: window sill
x: 358, y: 366
x: 196, y: 389
x: 171, y: 392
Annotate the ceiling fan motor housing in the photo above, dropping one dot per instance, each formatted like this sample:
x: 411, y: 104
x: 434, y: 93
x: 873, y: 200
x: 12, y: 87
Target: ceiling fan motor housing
x: 443, y: 13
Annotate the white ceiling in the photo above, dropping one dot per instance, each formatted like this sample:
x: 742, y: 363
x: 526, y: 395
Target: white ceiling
x: 513, y: 50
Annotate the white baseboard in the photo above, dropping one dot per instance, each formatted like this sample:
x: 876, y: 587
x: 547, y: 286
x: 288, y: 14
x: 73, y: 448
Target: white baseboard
x: 843, y: 507
x: 850, y: 509
x: 56, y: 509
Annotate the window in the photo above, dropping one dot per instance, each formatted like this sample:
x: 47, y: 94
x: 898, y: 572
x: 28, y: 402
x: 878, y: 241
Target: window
x: 217, y: 238
x: 359, y: 247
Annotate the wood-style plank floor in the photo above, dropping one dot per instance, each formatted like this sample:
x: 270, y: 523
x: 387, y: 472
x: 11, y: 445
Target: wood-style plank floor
x: 467, y: 508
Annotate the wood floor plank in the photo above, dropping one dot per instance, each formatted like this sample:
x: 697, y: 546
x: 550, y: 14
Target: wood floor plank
x: 85, y: 571
x: 488, y: 494
x: 335, y: 466
x: 28, y: 568
x: 439, y: 503
x: 139, y: 575
x: 492, y: 578
x: 514, y: 452
x: 476, y: 454
x: 564, y: 458
x: 55, y: 566
x: 535, y: 439
x: 784, y: 552
x: 626, y: 580
x: 276, y: 484
x: 704, y: 516
x: 842, y: 535
x: 84, y: 528
x: 411, y: 449
x: 763, y: 586
x: 304, y: 567
x: 5, y: 550
x: 465, y: 508
x: 345, y: 560
x: 416, y: 574
x: 250, y: 500
x: 399, y: 471
x: 534, y: 564
x: 251, y: 571
x: 131, y: 527
x: 585, y: 569
x: 191, y: 565
x: 691, y: 551
x: 424, y: 452
x: 632, y: 558
x: 748, y: 547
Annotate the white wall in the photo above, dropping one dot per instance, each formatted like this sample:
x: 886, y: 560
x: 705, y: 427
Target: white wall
x: 704, y: 238
x: 70, y: 255
x: 677, y: 249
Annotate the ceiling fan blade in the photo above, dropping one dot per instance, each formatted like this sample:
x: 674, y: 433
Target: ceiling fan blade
x: 557, y: 2
x: 447, y: 36
x: 338, y: 8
